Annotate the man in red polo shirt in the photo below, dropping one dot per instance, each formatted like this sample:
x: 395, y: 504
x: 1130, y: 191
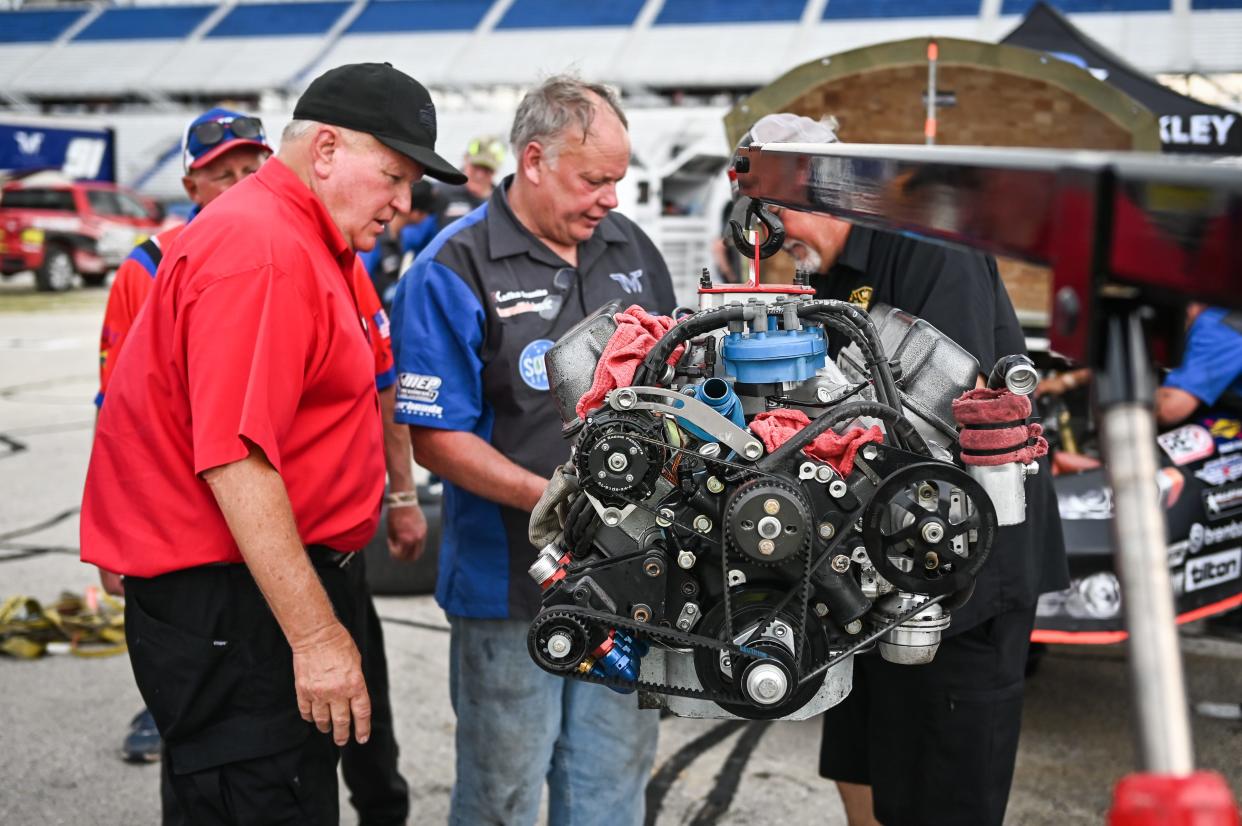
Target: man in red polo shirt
x: 237, y: 464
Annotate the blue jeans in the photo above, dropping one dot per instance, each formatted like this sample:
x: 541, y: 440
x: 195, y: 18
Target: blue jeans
x: 518, y: 726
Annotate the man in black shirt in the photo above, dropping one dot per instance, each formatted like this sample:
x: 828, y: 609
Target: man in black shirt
x: 936, y: 743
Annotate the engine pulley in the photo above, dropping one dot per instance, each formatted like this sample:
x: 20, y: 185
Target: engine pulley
x: 929, y: 528
x: 558, y: 643
x: 620, y: 456
x: 768, y: 521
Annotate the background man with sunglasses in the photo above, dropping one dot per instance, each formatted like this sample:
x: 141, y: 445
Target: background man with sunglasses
x: 472, y: 321
x: 237, y: 464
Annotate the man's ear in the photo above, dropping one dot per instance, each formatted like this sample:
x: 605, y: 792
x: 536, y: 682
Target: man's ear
x: 532, y: 161
x: 191, y: 187
x: 324, y: 146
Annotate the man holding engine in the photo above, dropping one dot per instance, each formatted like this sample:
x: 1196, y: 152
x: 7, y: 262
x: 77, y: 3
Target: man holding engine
x: 472, y: 321
x: 952, y: 761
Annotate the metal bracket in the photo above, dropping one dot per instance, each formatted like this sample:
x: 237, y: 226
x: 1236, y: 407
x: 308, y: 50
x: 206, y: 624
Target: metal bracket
x: 659, y: 400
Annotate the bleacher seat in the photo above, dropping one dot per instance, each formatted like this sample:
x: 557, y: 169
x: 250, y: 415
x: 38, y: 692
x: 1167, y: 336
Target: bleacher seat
x: 889, y: 9
x: 706, y: 12
x: 145, y: 23
x: 36, y: 26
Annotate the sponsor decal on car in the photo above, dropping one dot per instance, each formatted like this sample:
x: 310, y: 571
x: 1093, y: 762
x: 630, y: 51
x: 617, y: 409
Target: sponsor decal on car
x: 1187, y: 444
x: 530, y: 364
x: 1222, y: 470
x: 1201, y: 536
x: 1213, y: 569
x: 1223, y: 502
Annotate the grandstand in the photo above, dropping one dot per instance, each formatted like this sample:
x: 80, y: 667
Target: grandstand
x: 142, y: 66
x: 188, y: 51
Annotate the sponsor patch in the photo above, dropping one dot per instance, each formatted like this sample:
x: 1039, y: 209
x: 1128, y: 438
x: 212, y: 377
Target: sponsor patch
x: 416, y: 387
x: 1213, y: 569
x: 1222, y: 470
x: 1177, y: 553
x: 530, y: 364
x: 1224, y: 501
x: 1187, y: 444
x: 519, y: 302
x: 435, y: 411
x: 381, y: 323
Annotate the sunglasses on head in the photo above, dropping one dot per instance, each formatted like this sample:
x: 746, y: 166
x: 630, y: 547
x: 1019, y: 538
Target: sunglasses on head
x: 214, y: 131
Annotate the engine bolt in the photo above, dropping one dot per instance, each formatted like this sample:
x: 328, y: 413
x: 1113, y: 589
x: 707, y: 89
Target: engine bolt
x: 769, y: 527
x: 779, y: 630
x: 702, y: 524
x: 633, y: 451
x: 827, y: 530
x: 821, y: 610
x: 629, y: 477
x: 823, y: 394
x: 931, y: 562
x: 690, y: 608
x: 840, y: 563
x: 558, y: 645
x: 602, y: 474
x: 869, y: 452
x: 665, y: 517
x: 854, y: 627
x: 652, y: 567
x: 933, y: 532
x: 641, y: 613
x: 859, y: 554
x: 618, y: 462
x: 726, y: 661
x: 714, y: 485
x: 771, y: 506
x: 710, y: 450
x: 685, y: 560
x: 927, y: 492
x: 837, y: 489
x: 605, y: 447
x: 752, y: 451
x: 767, y: 547
x: 823, y: 473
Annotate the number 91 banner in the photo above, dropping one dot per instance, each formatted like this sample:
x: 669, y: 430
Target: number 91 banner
x: 81, y: 153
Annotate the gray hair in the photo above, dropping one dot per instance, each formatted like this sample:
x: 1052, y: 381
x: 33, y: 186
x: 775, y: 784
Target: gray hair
x: 296, y: 129
x: 553, y: 106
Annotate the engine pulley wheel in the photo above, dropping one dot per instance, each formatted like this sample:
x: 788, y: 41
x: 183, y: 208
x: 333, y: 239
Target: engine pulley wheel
x: 929, y: 528
x: 616, y: 458
x: 751, y: 606
x: 558, y: 643
x: 768, y: 521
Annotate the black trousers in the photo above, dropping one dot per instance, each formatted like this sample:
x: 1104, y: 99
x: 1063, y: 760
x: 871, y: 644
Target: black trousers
x: 216, y: 673
x: 936, y: 742
x: 378, y: 792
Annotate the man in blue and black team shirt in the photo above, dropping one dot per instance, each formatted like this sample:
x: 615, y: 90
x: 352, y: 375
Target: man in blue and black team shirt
x: 936, y: 743
x: 471, y: 323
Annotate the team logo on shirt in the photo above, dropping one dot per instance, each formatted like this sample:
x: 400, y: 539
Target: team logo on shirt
x: 531, y: 366
x: 631, y: 282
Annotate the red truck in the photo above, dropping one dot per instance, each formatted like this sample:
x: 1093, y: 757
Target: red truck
x: 59, y: 228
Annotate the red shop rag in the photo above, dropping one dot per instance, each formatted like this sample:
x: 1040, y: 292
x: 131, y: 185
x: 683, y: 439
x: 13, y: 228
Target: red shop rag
x: 994, y: 428
x: 775, y: 427
x: 637, y: 332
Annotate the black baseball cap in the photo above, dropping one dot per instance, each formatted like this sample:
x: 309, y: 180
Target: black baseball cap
x: 383, y: 102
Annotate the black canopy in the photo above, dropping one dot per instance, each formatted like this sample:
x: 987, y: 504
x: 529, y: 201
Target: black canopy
x: 1186, y: 124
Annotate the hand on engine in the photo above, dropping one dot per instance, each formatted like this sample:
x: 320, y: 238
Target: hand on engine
x: 331, y: 691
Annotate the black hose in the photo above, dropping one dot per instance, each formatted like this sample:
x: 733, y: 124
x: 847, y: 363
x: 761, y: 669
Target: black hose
x: 651, y: 371
x: 843, y: 413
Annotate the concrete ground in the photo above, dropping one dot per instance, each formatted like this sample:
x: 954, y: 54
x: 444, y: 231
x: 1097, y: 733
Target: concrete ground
x: 62, y: 717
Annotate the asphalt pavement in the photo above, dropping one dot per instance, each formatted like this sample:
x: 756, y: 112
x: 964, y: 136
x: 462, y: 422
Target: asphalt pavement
x: 62, y: 718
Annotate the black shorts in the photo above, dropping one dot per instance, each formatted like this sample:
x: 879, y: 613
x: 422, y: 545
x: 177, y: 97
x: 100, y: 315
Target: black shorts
x: 216, y: 672
x: 936, y: 742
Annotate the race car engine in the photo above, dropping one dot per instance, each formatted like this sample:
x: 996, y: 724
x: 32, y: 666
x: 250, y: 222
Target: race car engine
x: 744, y: 516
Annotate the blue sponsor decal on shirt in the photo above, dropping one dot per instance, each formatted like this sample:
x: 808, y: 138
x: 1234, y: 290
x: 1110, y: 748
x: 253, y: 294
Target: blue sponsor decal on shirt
x: 530, y: 363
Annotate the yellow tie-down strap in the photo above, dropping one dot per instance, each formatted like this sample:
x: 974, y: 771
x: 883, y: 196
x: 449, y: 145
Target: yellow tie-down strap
x: 87, y: 626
